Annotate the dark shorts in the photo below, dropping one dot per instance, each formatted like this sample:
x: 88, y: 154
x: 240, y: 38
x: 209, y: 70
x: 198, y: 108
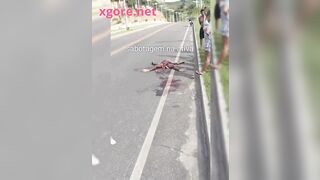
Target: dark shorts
x: 217, y: 12
x: 201, y: 33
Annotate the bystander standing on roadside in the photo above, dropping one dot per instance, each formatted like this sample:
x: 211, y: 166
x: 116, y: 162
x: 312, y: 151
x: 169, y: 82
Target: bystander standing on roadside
x: 207, y: 28
x: 201, y: 19
x: 217, y: 14
x: 224, y: 5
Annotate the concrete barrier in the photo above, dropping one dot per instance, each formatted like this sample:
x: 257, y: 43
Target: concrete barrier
x: 215, y: 120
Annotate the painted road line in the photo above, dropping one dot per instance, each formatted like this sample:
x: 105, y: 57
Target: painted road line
x: 107, y: 33
x: 139, y: 40
x: 95, y: 160
x: 140, y: 163
x: 100, y: 36
x: 136, y: 30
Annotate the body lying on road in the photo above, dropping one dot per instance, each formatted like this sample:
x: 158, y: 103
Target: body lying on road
x: 165, y: 64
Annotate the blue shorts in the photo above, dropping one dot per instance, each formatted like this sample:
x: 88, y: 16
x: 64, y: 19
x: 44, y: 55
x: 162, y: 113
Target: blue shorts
x: 225, y: 28
x: 207, y: 45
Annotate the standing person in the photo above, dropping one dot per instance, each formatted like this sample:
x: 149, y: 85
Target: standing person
x: 201, y: 19
x: 224, y: 5
x: 206, y: 9
x: 208, y: 43
x: 217, y: 14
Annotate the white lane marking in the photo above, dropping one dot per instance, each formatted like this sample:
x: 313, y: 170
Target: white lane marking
x: 95, y: 160
x: 113, y: 37
x: 140, y: 163
x: 100, y: 36
x: 112, y: 141
x: 139, y: 40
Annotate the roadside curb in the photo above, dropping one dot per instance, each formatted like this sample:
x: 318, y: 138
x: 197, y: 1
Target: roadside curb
x: 219, y: 150
x: 204, y: 96
x: 215, y: 120
x: 204, y: 108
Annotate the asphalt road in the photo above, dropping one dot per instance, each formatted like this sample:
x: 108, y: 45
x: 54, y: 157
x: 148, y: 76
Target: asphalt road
x: 127, y: 101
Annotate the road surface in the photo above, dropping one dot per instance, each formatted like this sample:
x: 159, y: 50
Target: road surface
x: 142, y: 131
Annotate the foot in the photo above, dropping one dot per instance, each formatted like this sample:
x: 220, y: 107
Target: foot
x: 199, y: 73
x: 145, y: 70
x: 152, y: 63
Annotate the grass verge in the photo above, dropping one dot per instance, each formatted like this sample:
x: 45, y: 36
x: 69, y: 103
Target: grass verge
x: 224, y: 71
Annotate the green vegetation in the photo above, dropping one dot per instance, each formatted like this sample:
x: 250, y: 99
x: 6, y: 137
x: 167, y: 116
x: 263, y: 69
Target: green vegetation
x: 190, y: 10
x: 224, y: 71
x: 206, y: 76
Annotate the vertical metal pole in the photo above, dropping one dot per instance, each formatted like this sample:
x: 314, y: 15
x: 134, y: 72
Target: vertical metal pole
x: 292, y: 134
x: 219, y: 162
x: 126, y: 18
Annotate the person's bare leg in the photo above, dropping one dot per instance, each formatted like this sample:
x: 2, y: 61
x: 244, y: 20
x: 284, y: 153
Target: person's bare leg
x: 175, y: 63
x: 152, y: 69
x: 175, y: 68
x: 149, y: 70
x: 224, y: 54
x: 178, y: 63
x: 217, y: 22
x: 206, y: 64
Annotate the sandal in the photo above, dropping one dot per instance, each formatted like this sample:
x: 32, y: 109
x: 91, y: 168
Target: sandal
x: 199, y: 73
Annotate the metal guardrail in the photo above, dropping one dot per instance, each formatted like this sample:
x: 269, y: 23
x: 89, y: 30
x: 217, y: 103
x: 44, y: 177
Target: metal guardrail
x: 216, y: 122
x: 203, y: 104
x: 219, y: 147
